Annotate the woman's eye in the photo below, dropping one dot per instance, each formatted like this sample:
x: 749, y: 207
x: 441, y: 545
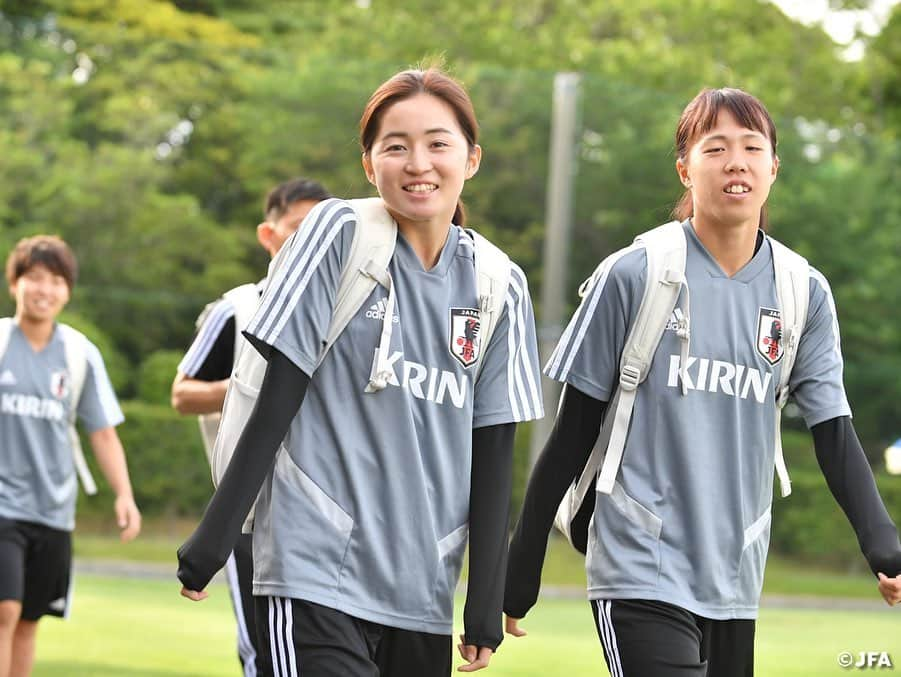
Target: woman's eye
x: 755, y: 148
x: 716, y: 149
x: 394, y: 147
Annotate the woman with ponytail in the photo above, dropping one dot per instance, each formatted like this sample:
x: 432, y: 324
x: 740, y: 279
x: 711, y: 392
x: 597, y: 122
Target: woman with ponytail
x: 369, y: 498
x: 676, y: 550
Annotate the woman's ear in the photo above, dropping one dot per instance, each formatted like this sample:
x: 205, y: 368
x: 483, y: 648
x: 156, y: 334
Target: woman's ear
x: 473, y: 161
x: 682, y: 171
x: 367, y: 167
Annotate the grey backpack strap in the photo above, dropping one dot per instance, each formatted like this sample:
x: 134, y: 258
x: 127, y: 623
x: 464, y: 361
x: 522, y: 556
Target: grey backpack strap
x: 244, y: 299
x: 792, y: 274
x: 77, y: 361
x: 6, y: 330
x: 665, y: 251
x: 367, y: 265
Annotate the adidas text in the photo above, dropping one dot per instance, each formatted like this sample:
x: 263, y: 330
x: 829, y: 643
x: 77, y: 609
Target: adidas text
x: 377, y: 312
x: 715, y: 376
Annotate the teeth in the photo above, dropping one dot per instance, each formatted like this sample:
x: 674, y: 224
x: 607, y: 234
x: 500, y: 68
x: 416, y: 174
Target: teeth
x: 737, y: 189
x: 421, y: 188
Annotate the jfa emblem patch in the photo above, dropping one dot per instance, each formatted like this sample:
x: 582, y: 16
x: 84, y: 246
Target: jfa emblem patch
x: 464, y: 335
x: 59, y: 384
x: 769, y: 335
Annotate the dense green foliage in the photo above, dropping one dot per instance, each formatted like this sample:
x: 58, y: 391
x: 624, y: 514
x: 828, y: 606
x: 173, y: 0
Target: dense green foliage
x: 146, y: 132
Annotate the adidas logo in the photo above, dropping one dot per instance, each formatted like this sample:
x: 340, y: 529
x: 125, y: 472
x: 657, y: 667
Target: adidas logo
x: 675, y: 320
x: 7, y: 378
x: 377, y: 312
x: 57, y: 604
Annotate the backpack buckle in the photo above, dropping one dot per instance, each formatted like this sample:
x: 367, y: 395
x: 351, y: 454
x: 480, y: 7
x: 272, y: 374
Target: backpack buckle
x: 629, y: 377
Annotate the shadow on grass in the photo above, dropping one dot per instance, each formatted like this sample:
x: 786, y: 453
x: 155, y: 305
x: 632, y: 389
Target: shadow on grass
x: 89, y: 669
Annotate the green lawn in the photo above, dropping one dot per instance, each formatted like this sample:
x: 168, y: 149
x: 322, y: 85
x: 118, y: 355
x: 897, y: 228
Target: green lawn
x: 139, y: 628
x: 563, y: 565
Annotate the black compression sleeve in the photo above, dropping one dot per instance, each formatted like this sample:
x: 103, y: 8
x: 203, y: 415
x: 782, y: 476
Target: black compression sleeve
x: 489, y: 515
x: 206, y: 550
x: 561, y: 461
x: 850, y: 479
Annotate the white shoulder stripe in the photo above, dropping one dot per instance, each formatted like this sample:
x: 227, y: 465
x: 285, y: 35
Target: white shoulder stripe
x: 824, y: 285
x: 206, y: 338
x: 291, y: 281
x: 307, y: 271
x: 512, y: 384
x: 569, y: 345
x: 524, y: 371
x: 102, y: 386
x: 300, y: 244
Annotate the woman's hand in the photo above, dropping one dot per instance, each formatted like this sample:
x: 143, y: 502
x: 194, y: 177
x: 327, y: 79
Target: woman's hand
x: 476, y: 657
x: 890, y: 589
x: 511, y: 627
x: 195, y: 595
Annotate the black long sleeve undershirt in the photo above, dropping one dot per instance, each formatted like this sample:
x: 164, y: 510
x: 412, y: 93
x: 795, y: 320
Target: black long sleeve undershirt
x: 489, y: 516
x: 561, y: 461
x: 206, y: 550
x: 841, y: 459
x: 850, y: 479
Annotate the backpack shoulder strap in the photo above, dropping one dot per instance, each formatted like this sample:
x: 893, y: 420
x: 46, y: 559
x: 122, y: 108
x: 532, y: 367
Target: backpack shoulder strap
x: 792, y: 274
x: 665, y: 277
x: 6, y: 330
x: 367, y: 265
x: 244, y: 299
x: 493, y: 268
x: 77, y: 360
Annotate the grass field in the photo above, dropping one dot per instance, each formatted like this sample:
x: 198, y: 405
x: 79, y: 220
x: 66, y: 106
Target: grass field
x: 141, y: 628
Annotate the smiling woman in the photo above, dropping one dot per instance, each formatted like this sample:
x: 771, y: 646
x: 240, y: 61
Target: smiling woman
x: 361, y: 525
x: 50, y: 376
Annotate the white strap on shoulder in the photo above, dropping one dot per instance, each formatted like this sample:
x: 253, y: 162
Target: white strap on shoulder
x: 370, y: 253
x: 665, y: 277
x: 6, y: 330
x: 792, y: 274
x: 77, y: 361
x: 244, y: 299
x: 493, y: 269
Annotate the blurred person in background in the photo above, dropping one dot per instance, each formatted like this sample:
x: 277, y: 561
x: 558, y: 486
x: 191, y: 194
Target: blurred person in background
x: 50, y: 375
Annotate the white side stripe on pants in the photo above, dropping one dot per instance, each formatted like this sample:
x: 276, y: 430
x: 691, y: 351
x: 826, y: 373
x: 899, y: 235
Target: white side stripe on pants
x: 608, y: 637
x: 245, y: 646
x: 281, y: 640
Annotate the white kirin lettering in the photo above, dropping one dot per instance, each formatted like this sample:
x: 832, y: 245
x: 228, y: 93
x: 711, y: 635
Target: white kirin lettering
x: 715, y: 376
x: 428, y: 383
x: 31, y: 406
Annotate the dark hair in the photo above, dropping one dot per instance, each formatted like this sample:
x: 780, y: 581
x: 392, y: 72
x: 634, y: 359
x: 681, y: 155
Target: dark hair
x: 403, y: 85
x: 44, y: 250
x: 286, y: 194
x: 699, y: 117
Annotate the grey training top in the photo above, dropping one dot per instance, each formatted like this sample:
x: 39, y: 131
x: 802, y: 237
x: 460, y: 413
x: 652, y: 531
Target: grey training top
x: 38, y: 482
x: 366, y: 510
x: 688, y: 521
